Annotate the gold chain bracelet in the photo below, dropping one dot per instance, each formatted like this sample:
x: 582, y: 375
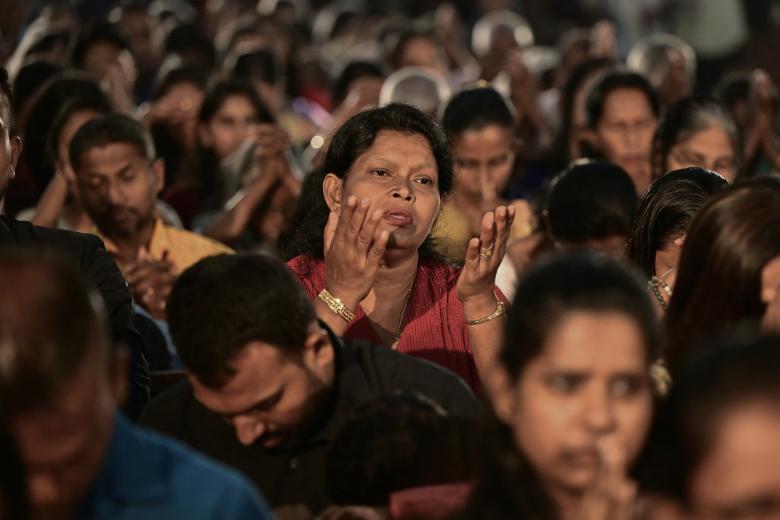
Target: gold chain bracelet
x: 500, y: 311
x: 336, y: 306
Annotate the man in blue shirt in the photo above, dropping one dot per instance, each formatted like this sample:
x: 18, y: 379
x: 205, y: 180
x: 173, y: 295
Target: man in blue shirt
x: 59, y: 387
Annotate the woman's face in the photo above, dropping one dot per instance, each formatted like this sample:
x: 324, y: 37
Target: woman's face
x: 625, y: 133
x: 770, y: 295
x: 398, y: 175
x: 231, y: 125
x: 710, y: 148
x: 739, y: 478
x: 484, y: 157
x: 586, y: 393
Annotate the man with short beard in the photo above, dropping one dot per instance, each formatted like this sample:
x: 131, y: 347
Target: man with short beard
x: 268, y: 385
x: 118, y: 178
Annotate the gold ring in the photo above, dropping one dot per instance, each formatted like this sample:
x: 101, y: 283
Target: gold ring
x: 486, y: 252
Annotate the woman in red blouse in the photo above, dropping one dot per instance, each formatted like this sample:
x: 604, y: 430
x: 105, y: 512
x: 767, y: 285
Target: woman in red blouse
x: 363, y: 248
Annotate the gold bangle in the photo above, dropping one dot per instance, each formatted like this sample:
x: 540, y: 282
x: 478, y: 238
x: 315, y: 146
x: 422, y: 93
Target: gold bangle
x: 336, y: 305
x: 500, y: 311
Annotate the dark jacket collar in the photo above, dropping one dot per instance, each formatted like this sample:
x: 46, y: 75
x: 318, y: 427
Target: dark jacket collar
x: 6, y: 233
x: 349, y: 388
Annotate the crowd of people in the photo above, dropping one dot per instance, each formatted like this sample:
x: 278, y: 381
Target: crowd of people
x: 389, y: 260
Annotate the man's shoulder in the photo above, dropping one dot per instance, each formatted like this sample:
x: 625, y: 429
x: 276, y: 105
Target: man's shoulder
x: 386, y: 370
x: 165, y: 413
x: 25, y: 233
x: 196, y: 483
x: 185, y: 238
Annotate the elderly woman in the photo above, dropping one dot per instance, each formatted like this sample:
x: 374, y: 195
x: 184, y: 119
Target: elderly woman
x: 364, y: 254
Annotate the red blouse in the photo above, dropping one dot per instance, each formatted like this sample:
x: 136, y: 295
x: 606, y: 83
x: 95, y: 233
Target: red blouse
x: 434, y: 326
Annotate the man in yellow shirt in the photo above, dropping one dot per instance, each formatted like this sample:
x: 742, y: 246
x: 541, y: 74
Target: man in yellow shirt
x: 118, y: 178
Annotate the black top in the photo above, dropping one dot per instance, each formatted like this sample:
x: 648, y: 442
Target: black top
x: 297, y: 476
x: 102, y: 274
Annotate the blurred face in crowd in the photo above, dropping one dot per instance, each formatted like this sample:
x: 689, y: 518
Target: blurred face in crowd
x: 10, y: 147
x: 674, y: 84
x: 398, y: 176
x: 63, y: 445
x: 273, y: 395
x: 625, y: 133
x: 770, y: 296
x: 118, y: 187
x: 422, y: 52
x: 69, y: 129
x: 182, y: 121
x: 102, y: 56
x: 484, y: 156
x: 145, y: 40
x: 738, y: 477
x: 587, y: 393
x: 234, y: 122
x: 710, y: 148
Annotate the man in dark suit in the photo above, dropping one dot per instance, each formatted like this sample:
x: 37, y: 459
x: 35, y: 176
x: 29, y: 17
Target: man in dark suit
x: 86, y: 252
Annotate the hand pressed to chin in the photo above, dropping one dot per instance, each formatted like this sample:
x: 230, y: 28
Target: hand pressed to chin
x: 354, y: 247
x: 612, y: 495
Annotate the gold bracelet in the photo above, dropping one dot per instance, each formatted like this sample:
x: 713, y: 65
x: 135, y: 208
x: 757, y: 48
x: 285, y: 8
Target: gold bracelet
x: 336, y: 305
x: 500, y: 311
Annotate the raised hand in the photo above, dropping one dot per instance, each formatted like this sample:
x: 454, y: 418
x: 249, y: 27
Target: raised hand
x: 476, y: 285
x: 354, y: 247
x: 484, y: 255
x: 271, y: 141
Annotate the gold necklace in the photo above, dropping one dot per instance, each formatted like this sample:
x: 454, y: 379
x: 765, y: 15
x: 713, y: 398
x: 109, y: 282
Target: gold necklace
x: 400, y: 326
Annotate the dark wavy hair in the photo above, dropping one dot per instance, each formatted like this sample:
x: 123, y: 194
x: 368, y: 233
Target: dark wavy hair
x: 553, y: 288
x: 590, y: 200
x: 667, y: 209
x: 685, y: 118
x: 617, y: 79
x: 718, y: 283
x: 60, y: 90
x: 350, y: 142
x: 475, y: 109
x: 250, y: 298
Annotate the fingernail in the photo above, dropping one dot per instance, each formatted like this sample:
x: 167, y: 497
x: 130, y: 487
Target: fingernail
x: 352, y: 200
x: 364, y: 203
